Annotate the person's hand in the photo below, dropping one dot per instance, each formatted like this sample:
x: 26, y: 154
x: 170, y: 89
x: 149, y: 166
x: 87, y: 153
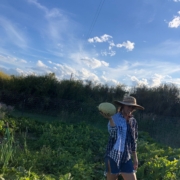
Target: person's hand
x: 107, y: 116
x: 135, y: 164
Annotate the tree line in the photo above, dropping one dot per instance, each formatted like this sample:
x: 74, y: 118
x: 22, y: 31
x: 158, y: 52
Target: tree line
x: 46, y: 93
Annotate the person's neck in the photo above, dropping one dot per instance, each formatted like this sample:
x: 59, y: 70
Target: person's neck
x: 126, y: 116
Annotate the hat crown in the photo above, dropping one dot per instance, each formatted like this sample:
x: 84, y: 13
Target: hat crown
x: 130, y: 100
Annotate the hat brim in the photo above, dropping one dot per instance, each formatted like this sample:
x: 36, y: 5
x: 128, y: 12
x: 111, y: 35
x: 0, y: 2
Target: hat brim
x: 129, y: 104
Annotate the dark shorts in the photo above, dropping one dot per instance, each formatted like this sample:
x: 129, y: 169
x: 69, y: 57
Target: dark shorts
x: 126, y: 167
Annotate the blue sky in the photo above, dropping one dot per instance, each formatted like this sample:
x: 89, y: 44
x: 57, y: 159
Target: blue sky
x: 107, y: 41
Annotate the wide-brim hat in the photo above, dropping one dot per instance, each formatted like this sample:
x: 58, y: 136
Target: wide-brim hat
x: 129, y: 101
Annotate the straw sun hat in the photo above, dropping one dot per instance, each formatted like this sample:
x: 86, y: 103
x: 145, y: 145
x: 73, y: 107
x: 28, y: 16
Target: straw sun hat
x: 129, y: 101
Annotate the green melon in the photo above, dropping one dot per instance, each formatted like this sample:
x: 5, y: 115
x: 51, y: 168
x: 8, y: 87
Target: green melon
x: 107, y: 108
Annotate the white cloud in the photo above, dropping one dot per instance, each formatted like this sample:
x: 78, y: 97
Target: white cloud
x: 156, y: 80
x: 176, y: 0
x: 106, y: 38
x: 138, y: 82
x: 175, y: 23
x: 38, y: 5
x: 128, y: 45
x: 82, y: 67
x: 109, y: 81
x: 111, y: 45
x: 106, y: 53
x: 20, y: 71
x: 41, y: 64
x: 85, y: 74
x: 12, y: 61
x: 101, y: 39
x: 23, y: 61
x: 94, y: 63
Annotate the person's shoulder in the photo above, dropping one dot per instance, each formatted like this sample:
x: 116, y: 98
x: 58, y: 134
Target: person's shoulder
x: 133, y: 120
x: 117, y: 115
x: 118, y: 118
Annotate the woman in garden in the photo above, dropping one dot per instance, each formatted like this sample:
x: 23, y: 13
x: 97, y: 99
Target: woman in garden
x: 122, y: 142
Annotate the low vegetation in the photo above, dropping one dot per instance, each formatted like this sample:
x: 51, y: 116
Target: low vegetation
x: 59, y: 150
x: 69, y: 144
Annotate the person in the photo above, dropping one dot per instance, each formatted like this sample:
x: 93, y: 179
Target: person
x: 121, y: 157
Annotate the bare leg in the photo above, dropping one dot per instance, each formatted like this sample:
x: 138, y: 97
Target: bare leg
x: 129, y: 176
x: 109, y: 175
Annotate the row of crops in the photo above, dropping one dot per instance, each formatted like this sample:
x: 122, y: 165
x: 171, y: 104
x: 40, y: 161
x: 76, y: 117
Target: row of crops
x: 32, y: 149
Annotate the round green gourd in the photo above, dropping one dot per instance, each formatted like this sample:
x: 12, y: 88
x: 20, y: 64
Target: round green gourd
x: 107, y: 108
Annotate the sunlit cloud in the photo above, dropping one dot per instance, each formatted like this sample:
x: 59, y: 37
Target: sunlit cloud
x: 110, y: 82
x: 41, y: 64
x: 128, y: 45
x: 175, y: 23
x: 101, y: 39
x: 94, y: 63
x: 107, y: 38
x: 138, y: 82
x: 126, y: 72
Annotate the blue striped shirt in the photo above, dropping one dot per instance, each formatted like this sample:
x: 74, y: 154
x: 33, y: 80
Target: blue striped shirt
x: 123, y: 138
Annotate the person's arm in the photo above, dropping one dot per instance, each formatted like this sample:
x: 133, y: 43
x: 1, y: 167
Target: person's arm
x: 135, y: 160
x: 112, y: 128
x: 134, y: 127
x: 111, y: 121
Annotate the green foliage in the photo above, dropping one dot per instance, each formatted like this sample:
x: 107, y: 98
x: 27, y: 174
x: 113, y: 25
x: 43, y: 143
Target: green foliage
x: 6, y: 148
x: 58, y: 150
x: 66, y: 151
x: 47, y: 94
x: 163, y: 100
x: 156, y: 161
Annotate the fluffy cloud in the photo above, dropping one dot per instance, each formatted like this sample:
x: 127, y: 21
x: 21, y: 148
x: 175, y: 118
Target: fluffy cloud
x: 101, y: 39
x: 153, y: 81
x: 41, y: 64
x: 175, y: 23
x: 94, y: 63
x: 138, y: 82
x: 156, y: 80
x: 107, y: 38
x: 128, y: 45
